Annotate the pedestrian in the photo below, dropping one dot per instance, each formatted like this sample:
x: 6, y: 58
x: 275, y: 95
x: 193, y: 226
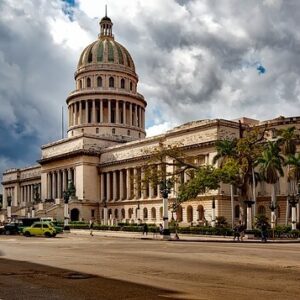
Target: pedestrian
x: 236, y: 234
x: 264, y: 228
x: 241, y: 231
x: 91, y: 226
x: 161, y: 229
x: 145, y: 229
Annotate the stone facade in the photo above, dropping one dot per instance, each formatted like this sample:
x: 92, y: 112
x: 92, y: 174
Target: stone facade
x: 105, y: 152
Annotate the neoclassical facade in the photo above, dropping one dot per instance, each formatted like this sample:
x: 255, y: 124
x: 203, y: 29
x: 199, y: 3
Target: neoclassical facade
x: 104, y: 153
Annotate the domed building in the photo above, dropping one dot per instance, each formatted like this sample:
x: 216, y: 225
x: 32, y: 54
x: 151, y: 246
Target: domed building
x: 101, y: 162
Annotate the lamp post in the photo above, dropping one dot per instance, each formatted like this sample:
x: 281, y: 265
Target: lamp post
x: 293, y: 200
x: 138, y: 213
x: 213, y: 212
x: 66, y: 210
x: 249, y: 204
x: 36, y: 198
x: 9, y: 201
x: 165, y: 188
x: 273, y: 207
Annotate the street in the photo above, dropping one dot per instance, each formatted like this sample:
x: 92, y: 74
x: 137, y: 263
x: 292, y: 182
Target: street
x: 146, y: 269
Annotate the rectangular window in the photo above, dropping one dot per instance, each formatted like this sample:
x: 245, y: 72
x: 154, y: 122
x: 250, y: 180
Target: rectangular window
x: 93, y: 213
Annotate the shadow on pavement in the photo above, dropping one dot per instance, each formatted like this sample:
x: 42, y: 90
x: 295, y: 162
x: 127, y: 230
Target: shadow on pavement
x: 24, y: 280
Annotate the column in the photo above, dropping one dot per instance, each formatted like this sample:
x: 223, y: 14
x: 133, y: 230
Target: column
x: 151, y: 187
x: 59, y: 184
x: 94, y: 112
x: 115, y: 185
x: 48, y: 185
x: 31, y: 193
x: 117, y: 112
x: 109, y: 111
x: 124, y: 112
x: 74, y: 114
x: 101, y: 110
x: 143, y: 188
x: 64, y: 180
x: 102, y: 186
x: 80, y: 112
x: 135, y: 183
x: 53, y: 185
x: 130, y: 114
x: 86, y: 111
x: 128, y: 196
x: 136, y: 116
x: 140, y: 117
x: 107, y: 186
x: 121, y: 185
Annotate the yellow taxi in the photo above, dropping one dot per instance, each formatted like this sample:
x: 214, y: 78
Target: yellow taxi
x: 40, y: 229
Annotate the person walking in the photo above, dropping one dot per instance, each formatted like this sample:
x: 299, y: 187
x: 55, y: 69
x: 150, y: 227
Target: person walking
x: 264, y: 228
x: 91, y: 226
x: 236, y: 234
x: 145, y: 229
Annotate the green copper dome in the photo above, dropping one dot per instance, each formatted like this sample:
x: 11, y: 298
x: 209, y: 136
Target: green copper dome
x: 106, y: 51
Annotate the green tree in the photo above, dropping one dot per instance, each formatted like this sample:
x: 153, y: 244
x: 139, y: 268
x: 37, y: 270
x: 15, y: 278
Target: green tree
x: 270, y: 163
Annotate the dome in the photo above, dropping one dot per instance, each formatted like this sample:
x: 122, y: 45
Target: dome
x: 106, y: 51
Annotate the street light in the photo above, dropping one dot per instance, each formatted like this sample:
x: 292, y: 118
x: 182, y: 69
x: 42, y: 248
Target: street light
x: 66, y: 209
x: 9, y: 201
x: 213, y: 212
x: 293, y: 200
x: 249, y: 204
x: 165, y: 188
x: 273, y: 207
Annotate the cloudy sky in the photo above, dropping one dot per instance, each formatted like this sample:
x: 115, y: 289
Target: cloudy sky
x: 196, y: 59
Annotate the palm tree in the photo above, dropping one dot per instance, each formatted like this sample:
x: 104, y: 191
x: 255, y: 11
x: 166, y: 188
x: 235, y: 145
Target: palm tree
x: 287, y: 141
x: 226, y: 150
x: 270, y: 164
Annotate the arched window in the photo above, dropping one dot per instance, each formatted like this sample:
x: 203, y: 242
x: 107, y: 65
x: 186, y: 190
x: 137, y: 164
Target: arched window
x: 153, y: 213
x: 111, y: 82
x: 179, y: 214
x: 88, y: 82
x: 200, y: 210
x: 189, y: 212
x: 161, y: 212
x: 116, y: 213
x: 237, y: 211
x: 109, y: 213
x: 99, y: 81
x: 123, y: 213
x: 130, y: 213
x: 122, y: 83
x: 80, y: 84
x: 130, y: 85
x: 261, y: 210
x: 145, y: 213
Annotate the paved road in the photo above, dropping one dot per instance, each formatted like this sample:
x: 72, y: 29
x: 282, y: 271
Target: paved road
x: 191, y: 270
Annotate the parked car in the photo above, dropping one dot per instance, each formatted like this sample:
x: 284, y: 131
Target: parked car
x: 10, y: 228
x: 55, y: 225
x: 40, y: 229
x: 25, y: 222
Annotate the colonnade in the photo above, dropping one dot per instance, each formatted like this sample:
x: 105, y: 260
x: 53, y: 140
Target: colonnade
x: 27, y: 192
x: 57, y: 182
x: 106, y: 111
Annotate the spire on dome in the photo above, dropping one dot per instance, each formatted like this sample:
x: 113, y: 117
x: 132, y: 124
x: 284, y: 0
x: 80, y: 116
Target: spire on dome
x: 105, y: 25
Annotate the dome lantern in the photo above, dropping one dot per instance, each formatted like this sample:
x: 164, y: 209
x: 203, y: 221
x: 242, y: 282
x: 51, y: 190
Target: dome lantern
x: 105, y: 26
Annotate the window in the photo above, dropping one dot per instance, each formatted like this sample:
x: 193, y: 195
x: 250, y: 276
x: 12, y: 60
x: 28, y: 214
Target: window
x: 37, y: 226
x: 90, y: 57
x: 45, y: 226
x: 113, y: 131
x: 116, y: 213
x: 153, y: 213
x: 128, y: 132
x: 97, y: 130
x: 131, y: 86
x: 145, y: 213
x: 190, y: 213
x: 111, y: 82
x: 123, y: 213
x: 122, y: 83
x: 237, y: 211
x: 88, y: 82
x: 99, y: 81
x: 93, y: 213
x: 261, y: 210
x: 161, y: 212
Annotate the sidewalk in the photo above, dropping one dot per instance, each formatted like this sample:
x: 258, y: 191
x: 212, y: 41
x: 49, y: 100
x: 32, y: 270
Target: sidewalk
x: 182, y: 237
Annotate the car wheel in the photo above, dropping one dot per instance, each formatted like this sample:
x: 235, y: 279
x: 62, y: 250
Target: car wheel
x: 27, y: 233
x: 47, y: 234
x: 54, y: 234
x: 7, y: 232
